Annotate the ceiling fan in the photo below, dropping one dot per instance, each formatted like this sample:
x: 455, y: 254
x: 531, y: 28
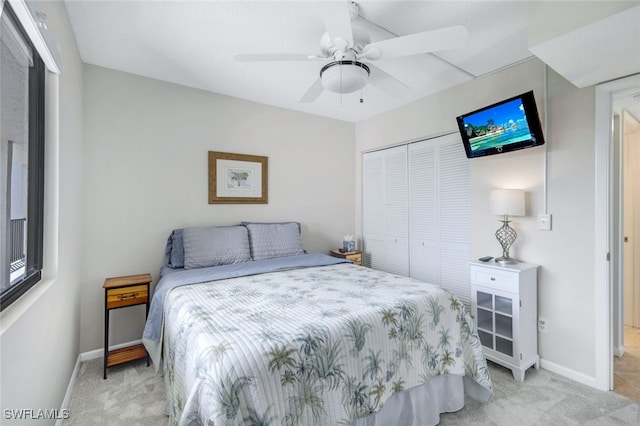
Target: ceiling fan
x: 350, y: 54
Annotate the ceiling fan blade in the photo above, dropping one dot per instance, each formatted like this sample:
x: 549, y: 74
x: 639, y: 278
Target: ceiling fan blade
x: 337, y: 20
x: 314, y: 91
x: 387, y: 83
x: 415, y: 44
x: 267, y: 57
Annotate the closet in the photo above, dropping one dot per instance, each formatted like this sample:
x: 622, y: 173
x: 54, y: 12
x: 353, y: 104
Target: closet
x: 416, y: 212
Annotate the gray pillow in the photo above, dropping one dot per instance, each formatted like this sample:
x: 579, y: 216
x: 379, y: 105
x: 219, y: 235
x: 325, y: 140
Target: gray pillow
x: 271, y: 240
x: 221, y: 245
x: 174, y: 250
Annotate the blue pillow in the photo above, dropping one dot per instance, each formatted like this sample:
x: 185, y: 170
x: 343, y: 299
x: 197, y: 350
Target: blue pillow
x: 220, y: 245
x: 272, y: 240
x: 174, y: 250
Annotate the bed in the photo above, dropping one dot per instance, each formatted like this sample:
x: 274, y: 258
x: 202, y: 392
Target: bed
x: 263, y: 333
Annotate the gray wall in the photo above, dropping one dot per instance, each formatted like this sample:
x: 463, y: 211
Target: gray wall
x: 566, y: 289
x: 146, y: 145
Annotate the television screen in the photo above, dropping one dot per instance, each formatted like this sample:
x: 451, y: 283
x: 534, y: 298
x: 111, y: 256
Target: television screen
x: 502, y: 127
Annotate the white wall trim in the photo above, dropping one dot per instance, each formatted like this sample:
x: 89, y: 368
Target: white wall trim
x: 602, y: 296
x: 41, y: 38
x: 70, y: 386
x: 569, y: 373
x: 99, y: 353
x: 410, y: 141
x: 603, y: 290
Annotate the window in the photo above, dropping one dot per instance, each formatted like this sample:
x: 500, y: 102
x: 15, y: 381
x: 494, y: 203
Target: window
x: 22, y: 74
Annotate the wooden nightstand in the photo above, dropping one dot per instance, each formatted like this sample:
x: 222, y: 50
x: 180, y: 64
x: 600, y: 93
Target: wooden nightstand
x: 120, y: 292
x: 354, y: 256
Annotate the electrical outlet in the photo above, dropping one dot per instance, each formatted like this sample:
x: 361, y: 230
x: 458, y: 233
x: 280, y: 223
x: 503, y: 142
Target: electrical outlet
x: 544, y: 222
x: 542, y: 325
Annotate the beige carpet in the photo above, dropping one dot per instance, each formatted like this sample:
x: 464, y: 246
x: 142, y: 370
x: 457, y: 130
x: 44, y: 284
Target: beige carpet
x: 133, y: 395
x: 545, y: 398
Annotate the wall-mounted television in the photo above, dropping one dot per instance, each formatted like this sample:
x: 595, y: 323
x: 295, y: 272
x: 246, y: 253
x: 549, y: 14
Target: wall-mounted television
x: 505, y: 126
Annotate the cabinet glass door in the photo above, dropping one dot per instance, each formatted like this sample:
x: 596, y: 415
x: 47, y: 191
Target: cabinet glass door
x: 494, y: 315
x: 504, y: 325
x: 503, y: 305
x: 485, y: 320
x: 484, y: 316
x: 485, y: 300
x: 504, y: 346
x: 486, y: 339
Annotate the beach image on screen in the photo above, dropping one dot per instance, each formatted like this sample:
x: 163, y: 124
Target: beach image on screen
x: 500, y: 125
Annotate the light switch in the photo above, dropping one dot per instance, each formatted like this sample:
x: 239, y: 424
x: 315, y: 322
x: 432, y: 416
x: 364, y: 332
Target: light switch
x: 544, y: 222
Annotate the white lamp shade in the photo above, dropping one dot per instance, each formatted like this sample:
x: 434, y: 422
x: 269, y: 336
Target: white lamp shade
x: 507, y: 201
x: 345, y: 78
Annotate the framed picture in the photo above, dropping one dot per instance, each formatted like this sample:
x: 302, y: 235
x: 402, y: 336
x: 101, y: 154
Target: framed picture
x: 237, y: 178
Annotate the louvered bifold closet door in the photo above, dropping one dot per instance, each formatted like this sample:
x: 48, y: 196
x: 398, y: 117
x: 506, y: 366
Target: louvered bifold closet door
x: 454, y: 212
x: 423, y: 212
x: 439, y: 216
x: 373, y: 208
x: 416, y: 212
x: 385, y: 210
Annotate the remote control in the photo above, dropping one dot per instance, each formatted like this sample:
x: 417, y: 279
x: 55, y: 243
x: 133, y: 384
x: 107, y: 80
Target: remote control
x: 485, y: 258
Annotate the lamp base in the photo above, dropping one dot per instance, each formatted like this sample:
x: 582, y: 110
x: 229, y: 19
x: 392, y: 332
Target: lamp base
x: 506, y: 261
x: 506, y: 236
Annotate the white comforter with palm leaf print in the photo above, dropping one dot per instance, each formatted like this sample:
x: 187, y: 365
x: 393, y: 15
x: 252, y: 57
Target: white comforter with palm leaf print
x: 314, y: 346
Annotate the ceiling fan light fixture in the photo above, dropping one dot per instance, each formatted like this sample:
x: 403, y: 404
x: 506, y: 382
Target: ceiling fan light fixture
x: 344, y: 76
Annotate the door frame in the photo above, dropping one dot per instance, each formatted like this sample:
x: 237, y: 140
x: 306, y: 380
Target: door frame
x: 603, y: 228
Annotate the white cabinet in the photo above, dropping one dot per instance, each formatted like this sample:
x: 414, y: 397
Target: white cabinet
x: 504, y: 305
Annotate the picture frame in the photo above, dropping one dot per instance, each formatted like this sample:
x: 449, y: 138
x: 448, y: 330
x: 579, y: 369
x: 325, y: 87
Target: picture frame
x: 238, y: 178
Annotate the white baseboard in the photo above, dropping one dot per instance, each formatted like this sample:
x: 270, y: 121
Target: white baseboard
x: 618, y: 351
x: 99, y: 353
x: 67, y: 395
x: 86, y: 356
x: 569, y: 374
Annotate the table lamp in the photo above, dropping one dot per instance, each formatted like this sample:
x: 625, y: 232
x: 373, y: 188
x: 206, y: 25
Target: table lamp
x: 505, y: 203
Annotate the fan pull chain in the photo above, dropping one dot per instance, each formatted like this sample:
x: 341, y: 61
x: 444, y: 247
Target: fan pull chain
x: 340, y: 87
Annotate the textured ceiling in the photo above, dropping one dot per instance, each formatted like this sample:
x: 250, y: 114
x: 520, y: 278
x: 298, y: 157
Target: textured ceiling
x: 192, y: 43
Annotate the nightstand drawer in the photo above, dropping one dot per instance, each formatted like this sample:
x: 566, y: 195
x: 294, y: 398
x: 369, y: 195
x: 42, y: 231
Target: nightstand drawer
x: 127, y: 296
x: 496, y: 279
